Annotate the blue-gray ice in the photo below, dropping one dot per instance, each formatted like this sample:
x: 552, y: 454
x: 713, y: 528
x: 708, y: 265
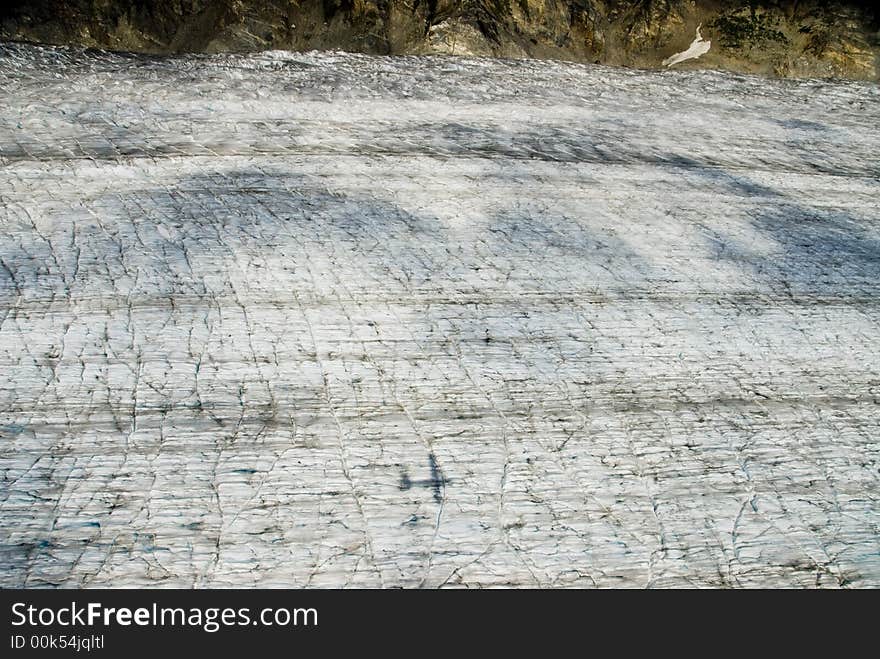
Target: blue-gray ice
x: 333, y: 320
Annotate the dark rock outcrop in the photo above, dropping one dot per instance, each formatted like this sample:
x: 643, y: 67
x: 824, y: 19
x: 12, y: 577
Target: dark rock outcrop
x: 788, y: 38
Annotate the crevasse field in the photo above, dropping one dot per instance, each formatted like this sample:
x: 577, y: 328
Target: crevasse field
x: 335, y: 320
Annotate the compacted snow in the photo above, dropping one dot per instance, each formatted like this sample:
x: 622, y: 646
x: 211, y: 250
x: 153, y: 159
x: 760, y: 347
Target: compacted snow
x: 334, y: 320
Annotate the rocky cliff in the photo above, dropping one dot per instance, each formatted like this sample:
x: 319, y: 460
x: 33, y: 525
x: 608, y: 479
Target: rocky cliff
x: 789, y: 38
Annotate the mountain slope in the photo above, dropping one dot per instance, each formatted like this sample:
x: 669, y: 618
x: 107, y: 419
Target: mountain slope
x: 787, y: 38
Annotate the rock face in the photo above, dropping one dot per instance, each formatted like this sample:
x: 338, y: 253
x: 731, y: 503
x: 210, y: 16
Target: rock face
x: 788, y: 38
x: 332, y: 319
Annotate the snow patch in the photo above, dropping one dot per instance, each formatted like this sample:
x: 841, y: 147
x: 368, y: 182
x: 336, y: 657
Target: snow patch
x: 697, y: 48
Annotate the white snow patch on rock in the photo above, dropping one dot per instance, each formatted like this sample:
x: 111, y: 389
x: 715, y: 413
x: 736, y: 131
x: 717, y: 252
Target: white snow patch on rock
x: 697, y: 48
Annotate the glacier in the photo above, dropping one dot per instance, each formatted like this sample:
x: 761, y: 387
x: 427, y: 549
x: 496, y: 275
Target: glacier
x: 330, y: 320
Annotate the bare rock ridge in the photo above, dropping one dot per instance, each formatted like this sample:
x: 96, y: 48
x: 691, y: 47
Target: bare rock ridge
x: 788, y: 38
x: 330, y: 319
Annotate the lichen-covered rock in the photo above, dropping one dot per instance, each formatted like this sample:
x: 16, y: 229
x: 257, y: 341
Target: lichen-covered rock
x: 793, y: 38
